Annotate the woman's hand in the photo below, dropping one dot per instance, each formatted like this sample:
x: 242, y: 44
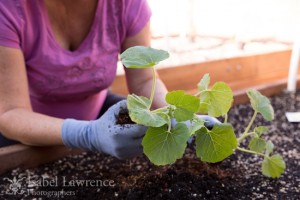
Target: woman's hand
x: 121, y: 141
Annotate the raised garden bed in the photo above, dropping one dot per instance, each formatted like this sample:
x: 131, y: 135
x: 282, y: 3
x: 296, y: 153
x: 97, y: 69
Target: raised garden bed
x: 240, y: 73
x: 238, y: 177
x: 96, y: 174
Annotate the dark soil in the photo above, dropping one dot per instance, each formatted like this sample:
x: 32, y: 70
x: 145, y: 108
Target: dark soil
x: 123, y: 118
x: 237, y: 177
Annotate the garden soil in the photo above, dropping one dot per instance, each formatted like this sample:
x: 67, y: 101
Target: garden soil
x: 237, y: 177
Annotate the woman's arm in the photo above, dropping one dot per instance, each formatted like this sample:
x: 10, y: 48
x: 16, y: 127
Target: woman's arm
x: 17, y: 120
x: 139, y: 81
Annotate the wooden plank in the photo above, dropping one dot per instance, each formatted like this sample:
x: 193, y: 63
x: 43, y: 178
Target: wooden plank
x: 23, y: 156
x: 186, y: 77
x: 274, y: 64
x: 239, y: 73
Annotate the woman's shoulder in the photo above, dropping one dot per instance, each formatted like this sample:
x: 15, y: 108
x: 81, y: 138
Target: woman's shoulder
x: 17, y: 8
x: 10, y: 13
x: 16, y: 17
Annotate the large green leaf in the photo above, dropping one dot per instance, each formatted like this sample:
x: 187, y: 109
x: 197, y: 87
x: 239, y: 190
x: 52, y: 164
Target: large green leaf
x: 217, y: 100
x: 215, y: 145
x: 186, y: 104
x: 140, y: 114
x: 257, y: 145
x: 163, y: 147
x: 204, y: 82
x: 261, y: 104
x: 273, y: 166
x: 142, y: 57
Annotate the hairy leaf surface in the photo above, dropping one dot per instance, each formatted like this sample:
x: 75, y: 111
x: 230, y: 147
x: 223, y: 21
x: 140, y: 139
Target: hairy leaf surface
x: 142, y: 57
x: 257, y: 145
x: 261, y: 104
x: 217, y: 100
x: 140, y: 114
x: 269, y: 148
x: 215, y: 145
x: 186, y: 104
x: 204, y: 83
x: 273, y: 166
x: 163, y: 147
x: 260, y: 130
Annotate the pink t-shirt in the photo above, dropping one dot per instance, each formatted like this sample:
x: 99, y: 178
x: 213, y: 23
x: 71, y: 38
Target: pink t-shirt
x: 70, y: 84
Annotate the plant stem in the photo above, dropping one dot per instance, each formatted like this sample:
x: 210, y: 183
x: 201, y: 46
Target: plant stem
x: 225, y: 118
x: 170, y: 124
x: 244, y: 136
x: 249, y: 151
x: 161, y: 109
x: 198, y: 93
x: 250, y: 124
x: 153, y: 88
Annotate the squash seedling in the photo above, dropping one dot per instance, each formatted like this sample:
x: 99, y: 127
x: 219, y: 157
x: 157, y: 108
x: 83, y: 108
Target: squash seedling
x: 164, y: 143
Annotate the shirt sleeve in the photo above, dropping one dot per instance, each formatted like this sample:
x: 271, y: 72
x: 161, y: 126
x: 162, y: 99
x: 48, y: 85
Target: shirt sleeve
x: 137, y: 15
x: 9, y: 26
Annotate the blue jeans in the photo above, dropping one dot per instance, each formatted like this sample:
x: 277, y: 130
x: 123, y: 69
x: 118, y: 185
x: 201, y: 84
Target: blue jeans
x: 110, y: 100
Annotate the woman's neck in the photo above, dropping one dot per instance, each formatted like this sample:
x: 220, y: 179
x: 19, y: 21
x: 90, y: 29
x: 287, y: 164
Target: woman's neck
x: 71, y: 20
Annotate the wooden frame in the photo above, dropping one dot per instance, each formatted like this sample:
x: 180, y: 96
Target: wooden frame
x: 239, y: 72
x: 20, y: 155
x: 265, y: 72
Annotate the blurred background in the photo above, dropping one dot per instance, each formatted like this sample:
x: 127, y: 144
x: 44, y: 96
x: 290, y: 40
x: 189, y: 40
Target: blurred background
x: 196, y: 31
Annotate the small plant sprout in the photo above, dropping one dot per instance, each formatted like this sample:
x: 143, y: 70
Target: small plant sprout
x: 164, y: 143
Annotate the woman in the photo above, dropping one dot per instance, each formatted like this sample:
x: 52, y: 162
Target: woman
x: 57, y: 59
